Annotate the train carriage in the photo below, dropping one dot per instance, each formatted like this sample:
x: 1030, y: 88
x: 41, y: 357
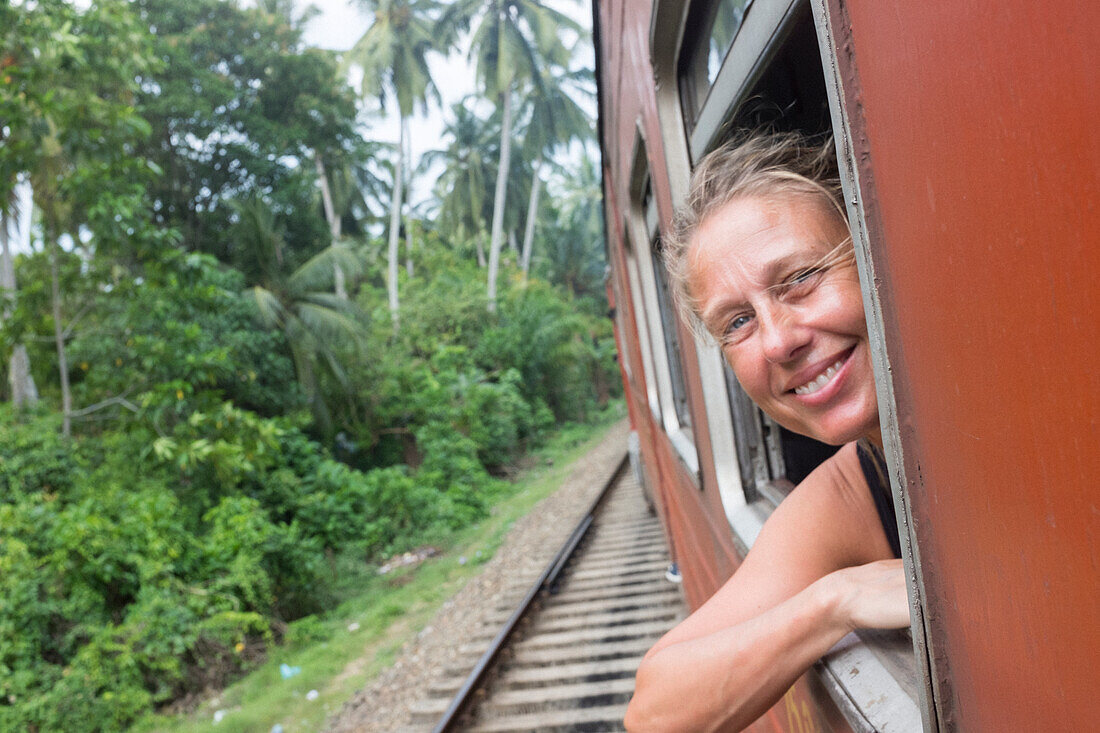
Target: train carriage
x: 970, y: 170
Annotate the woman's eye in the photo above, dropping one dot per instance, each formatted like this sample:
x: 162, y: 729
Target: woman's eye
x: 804, y: 275
x: 737, y: 323
x: 801, y: 281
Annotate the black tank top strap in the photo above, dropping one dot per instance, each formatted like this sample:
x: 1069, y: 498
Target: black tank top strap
x: 873, y: 464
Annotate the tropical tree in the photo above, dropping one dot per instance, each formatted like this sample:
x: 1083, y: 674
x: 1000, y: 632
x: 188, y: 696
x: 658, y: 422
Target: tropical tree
x: 73, y: 77
x: 466, y: 162
x: 512, y: 41
x: 351, y: 187
x: 241, y: 107
x: 349, y: 191
x: 393, y: 55
x: 574, y: 255
x: 555, y: 120
x: 317, y: 323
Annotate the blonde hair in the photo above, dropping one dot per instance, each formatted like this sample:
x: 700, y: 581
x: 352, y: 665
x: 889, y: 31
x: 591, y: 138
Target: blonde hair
x: 768, y: 165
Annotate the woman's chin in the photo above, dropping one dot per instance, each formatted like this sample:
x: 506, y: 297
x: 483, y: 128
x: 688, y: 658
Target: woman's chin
x: 849, y: 431
x: 837, y: 429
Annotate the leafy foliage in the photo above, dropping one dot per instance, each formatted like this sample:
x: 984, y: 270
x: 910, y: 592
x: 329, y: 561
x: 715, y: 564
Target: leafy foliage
x: 239, y: 108
x: 241, y: 425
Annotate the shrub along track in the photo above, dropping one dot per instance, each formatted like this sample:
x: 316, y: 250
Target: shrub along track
x: 578, y: 636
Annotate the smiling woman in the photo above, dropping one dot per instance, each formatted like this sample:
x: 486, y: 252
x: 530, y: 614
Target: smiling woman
x: 761, y: 256
x: 977, y: 283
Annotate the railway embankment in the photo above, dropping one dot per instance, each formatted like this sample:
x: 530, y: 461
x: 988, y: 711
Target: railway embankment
x: 385, y: 702
x: 358, y: 666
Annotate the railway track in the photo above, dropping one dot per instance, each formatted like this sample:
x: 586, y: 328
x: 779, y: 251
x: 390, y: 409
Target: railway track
x: 564, y: 658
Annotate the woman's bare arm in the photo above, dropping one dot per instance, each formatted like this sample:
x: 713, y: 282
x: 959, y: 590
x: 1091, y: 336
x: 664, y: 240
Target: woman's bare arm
x: 810, y: 578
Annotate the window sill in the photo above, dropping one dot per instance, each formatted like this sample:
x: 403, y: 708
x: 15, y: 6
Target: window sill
x: 867, y: 675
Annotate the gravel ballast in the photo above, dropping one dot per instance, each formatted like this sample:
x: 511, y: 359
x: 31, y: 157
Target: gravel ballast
x: 384, y: 704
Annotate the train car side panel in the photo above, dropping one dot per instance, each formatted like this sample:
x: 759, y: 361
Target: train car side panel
x: 980, y: 184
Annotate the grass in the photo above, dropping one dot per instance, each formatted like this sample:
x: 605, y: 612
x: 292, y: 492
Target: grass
x: 339, y: 653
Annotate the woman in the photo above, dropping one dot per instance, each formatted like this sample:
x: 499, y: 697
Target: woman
x: 762, y: 257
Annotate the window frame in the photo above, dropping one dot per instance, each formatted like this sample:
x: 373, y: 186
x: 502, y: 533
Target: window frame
x: 880, y: 359
x: 750, y: 53
x: 859, y: 671
x: 702, y: 16
x: 643, y: 230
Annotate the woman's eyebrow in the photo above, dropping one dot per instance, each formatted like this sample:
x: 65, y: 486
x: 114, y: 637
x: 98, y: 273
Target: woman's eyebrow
x: 714, y: 314
x: 787, y: 263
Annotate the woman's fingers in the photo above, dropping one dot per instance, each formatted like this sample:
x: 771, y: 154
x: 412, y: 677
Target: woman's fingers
x: 873, y: 595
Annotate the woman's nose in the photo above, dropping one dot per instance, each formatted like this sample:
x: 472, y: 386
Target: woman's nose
x: 782, y: 337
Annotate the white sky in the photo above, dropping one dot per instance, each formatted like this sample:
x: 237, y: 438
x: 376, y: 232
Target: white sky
x: 339, y: 25
x: 342, y: 22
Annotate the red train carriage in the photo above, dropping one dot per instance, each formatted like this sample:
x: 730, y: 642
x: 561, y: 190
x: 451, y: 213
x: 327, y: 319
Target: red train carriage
x: 966, y: 142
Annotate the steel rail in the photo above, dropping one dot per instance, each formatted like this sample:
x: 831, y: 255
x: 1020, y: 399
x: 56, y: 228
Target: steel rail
x: 461, y: 701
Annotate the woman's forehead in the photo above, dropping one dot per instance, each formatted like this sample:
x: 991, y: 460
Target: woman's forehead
x: 753, y: 231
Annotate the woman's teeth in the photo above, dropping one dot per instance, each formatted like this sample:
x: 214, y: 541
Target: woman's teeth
x: 822, y: 379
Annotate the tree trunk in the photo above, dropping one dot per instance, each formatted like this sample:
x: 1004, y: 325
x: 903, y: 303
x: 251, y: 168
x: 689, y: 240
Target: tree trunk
x: 334, y: 226
x: 59, y: 335
x: 395, y: 226
x: 529, y: 228
x: 480, y: 249
x: 497, y: 239
x: 408, y: 217
x: 24, y: 392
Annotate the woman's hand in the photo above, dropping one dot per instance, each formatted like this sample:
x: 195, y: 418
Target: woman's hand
x: 814, y: 574
x: 870, y: 596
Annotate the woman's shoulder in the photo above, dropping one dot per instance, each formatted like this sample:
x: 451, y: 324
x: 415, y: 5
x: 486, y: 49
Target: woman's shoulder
x: 838, y: 480
x: 834, y: 508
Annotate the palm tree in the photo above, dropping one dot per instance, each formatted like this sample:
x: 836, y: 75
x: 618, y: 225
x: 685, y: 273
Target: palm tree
x: 334, y: 224
x: 555, y: 120
x: 574, y: 256
x: 466, y: 165
x: 393, y: 56
x: 512, y: 41
x: 300, y: 304
x: 351, y: 191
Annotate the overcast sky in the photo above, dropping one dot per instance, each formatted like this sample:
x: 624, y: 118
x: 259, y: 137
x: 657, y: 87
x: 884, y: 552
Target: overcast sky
x: 342, y: 22
x: 337, y: 27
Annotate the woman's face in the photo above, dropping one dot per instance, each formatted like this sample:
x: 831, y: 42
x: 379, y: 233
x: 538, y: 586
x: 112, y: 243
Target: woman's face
x: 793, y: 331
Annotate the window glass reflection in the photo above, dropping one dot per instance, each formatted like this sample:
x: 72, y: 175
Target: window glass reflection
x: 718, y: 24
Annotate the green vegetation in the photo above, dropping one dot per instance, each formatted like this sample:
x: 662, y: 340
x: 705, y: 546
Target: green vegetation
x: 218, y: 416
x: 335, y: 656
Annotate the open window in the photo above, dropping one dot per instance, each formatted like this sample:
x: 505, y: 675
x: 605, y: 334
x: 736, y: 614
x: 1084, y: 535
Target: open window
x: 720, y: 92
x: 731, y: 66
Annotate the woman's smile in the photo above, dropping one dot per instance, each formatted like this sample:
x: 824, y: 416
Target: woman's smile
x: 788, y: 312
x: 823, y: 377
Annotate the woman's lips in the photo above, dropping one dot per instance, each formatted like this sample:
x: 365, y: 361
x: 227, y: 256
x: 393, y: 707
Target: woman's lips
x: 822, y: 379
x: 824, y: 376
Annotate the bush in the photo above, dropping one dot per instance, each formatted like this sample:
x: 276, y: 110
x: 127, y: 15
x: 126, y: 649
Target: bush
x: 195, y: 514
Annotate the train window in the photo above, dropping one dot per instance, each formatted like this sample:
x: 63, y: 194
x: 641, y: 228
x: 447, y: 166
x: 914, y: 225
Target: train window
x: 765, y: 30
x: 650, y: 371
x: 660, y: 315
x: 668, y: 315
x: 718, y: 23
x: 770, y: 76
x: 787, y: 92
